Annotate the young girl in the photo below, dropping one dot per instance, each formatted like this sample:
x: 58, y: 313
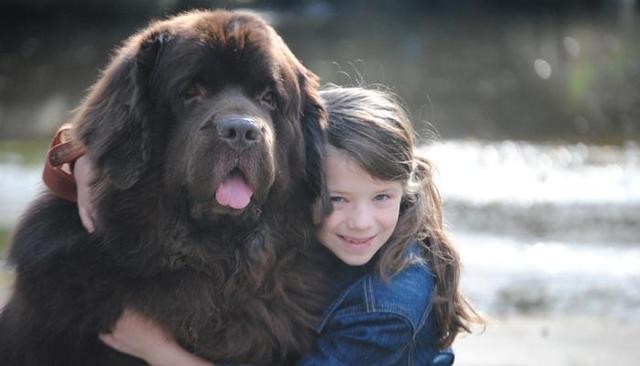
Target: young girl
x: 395, y: 276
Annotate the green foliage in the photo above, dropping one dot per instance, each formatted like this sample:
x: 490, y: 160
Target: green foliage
x: 7, y: 275
x: 4, y: 241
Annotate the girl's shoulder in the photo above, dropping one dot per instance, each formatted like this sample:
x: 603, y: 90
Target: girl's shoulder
x: 407, y: 295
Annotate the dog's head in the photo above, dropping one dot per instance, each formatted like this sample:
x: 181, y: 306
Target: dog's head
x: 212, y: 108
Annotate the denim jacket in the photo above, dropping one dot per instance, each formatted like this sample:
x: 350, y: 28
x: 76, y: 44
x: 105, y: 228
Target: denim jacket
x: 372, y: 322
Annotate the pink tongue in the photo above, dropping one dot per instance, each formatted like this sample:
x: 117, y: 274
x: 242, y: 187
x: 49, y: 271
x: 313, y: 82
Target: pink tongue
x: 234, y: 192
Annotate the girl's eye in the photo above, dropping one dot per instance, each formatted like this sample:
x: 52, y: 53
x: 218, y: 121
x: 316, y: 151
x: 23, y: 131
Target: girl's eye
x: 381, y: 197
x: 268, y: 98
x: 195, y: 91
x: 337, y: 199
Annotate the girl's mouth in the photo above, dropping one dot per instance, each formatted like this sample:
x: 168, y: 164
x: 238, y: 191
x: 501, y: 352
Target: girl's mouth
x: 357, y: 241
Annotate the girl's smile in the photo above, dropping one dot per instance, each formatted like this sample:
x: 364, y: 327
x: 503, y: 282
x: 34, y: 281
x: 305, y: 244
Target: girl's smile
x: 357, y: 241
x: 355, y: 245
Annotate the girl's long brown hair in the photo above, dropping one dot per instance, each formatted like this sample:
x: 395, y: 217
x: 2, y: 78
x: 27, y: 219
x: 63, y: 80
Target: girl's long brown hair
x: 372, y: 127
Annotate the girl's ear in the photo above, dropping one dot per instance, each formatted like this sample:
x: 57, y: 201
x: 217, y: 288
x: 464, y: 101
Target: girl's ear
x: 114, y: 121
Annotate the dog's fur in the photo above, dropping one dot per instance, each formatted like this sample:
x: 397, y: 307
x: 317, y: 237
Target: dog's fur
x: 235, y: 285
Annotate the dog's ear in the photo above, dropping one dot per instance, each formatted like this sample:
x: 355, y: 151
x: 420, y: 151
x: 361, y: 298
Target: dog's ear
x: 314, y: 129
x: 114, y: 120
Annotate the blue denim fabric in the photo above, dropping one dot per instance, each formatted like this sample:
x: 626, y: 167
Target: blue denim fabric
x: 376, y: 323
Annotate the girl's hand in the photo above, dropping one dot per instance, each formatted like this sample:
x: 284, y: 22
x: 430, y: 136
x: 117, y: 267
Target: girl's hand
x: 141, y: 337
x: 137, y: 335
x: 82, y: 175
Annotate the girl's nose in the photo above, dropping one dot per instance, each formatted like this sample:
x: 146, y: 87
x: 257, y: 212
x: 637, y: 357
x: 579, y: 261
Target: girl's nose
x: 361, y: 218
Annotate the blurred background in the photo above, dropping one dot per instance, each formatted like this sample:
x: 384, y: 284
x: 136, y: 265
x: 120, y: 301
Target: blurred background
x: 530, y: 110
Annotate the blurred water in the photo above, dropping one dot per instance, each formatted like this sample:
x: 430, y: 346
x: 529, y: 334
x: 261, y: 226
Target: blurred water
x: 577, y: 193
x: 503, y: 275
x: 525, y: 173
x: 18, y: 185
x: 544, y: 228
x: 540, y: 228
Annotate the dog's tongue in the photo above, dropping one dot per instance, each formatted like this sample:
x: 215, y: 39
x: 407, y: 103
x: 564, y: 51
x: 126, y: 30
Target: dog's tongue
x: 234, y: 192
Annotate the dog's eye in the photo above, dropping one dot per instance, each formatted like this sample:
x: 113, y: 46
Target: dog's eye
x: 195, y: 91
x: 268, y: 98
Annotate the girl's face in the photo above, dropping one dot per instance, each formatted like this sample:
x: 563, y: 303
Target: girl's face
x: 365, y: 210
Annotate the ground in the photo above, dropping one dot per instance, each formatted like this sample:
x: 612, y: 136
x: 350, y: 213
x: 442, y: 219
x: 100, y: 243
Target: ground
x: 552, y: 341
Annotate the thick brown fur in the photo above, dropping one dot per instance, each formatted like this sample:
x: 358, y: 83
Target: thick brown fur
x: 232, y: 285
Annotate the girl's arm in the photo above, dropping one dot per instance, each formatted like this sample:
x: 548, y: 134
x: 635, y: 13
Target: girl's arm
x: 361, y: 339
x: 375, y: 339
x: 140, y: 337
x: 82, y: 173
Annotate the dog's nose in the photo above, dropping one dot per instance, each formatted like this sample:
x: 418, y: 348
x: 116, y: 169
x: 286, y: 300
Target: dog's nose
x: 238, y: 132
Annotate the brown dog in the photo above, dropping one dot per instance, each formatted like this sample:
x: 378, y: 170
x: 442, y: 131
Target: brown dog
x: 206, y: 134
